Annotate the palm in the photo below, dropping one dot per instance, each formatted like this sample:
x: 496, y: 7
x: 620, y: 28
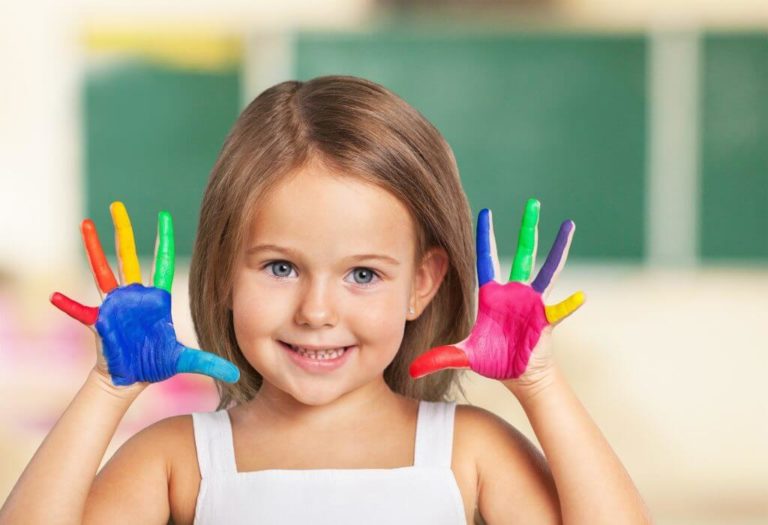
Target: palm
x: 511, y: 316
x: 509, y: 322
x: 138, y: 337
x: 138, y: 340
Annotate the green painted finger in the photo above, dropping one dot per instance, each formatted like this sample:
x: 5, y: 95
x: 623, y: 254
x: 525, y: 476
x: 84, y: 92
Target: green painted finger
x: 165, y: 252
x: 522, y: 265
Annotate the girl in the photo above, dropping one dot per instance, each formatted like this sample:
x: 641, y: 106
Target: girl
x: 334, y: 247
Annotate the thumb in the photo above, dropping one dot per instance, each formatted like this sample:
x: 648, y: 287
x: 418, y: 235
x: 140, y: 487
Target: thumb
x: 439, y: 358
x: 196, y: 361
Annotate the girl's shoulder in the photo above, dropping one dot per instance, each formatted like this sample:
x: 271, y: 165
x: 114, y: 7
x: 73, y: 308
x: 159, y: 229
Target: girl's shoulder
x: 476, y: 424
x: 171, y: 442
x: 477, y: 430
x: 489, y: 439
x: 511, y: 471
x: 178, y: 436
x: 481, y: 431
x: 150, y: 473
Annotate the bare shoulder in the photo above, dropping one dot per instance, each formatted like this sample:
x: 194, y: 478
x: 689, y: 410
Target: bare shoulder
x: 169, y: 433
x: 173, y: 439
x: 480, y: 428
x: 184, y: 473
x: 513, y: 477
x: 154, y: 476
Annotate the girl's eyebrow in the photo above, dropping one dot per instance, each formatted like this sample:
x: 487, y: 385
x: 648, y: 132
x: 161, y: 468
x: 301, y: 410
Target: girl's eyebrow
x: 293, y: 253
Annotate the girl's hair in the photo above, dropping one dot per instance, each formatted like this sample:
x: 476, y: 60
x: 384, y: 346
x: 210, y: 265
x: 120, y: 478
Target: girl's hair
x: 358, y: 128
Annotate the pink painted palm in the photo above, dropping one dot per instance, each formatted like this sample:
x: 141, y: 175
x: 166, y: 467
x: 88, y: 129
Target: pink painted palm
x: 511, y: 316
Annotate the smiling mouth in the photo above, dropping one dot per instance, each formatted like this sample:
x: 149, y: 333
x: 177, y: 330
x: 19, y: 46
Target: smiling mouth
x: 320, y: 355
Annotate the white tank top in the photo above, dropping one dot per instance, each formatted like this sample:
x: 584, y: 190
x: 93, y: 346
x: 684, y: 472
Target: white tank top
x: 425, y: 492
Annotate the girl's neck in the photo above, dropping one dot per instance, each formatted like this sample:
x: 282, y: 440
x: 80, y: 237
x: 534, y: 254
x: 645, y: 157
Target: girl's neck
x: 363, y: 406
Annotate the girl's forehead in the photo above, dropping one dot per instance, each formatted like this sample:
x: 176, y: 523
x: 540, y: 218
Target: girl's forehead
x: 318, y: 209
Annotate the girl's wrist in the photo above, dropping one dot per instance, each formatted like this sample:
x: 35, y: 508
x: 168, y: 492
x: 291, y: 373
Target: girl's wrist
x: 98, y: 380
x: 527, y: 388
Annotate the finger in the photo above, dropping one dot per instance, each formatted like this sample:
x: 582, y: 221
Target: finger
x: 125, y: 244
x: 438, y: 358
x: 560, y: 311
x: 199, y: 362
x: 526, y: 243
x: 487, y: 257
x: 558, y: 254
x: 162, y: 271
x: 85, y: 314
x: 105, y: 279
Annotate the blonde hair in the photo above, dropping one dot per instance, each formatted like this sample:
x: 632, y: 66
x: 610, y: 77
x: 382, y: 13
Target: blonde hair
x: 363, y: 130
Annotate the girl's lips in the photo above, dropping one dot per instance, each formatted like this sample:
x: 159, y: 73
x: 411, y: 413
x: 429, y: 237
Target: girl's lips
x: 317, y: 365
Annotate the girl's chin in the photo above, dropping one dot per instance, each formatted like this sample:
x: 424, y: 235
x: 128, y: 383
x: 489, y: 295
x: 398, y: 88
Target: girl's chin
x: 316, y: 397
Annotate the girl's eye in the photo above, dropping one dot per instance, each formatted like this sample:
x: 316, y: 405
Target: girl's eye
x: 279, y: 268
x: 366, y: 274
x: 363, y: 276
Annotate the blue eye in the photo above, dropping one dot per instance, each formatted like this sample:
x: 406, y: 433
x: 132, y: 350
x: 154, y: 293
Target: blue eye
x: 280, y: 267
x: 364, y: 273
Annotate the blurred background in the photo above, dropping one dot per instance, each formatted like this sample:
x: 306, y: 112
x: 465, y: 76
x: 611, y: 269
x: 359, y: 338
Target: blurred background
x: 645, y: 121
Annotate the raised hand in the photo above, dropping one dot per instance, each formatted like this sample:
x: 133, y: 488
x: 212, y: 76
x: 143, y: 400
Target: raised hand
x: 138, y: 340
x: 511, y: 316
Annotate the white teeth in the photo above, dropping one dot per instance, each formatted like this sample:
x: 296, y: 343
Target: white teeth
x: 330, y: 353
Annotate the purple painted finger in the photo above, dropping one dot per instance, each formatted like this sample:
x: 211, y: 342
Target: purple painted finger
x: 554, y: 259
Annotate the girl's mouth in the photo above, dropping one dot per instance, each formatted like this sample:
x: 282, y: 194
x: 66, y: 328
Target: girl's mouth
x: 321, y: 361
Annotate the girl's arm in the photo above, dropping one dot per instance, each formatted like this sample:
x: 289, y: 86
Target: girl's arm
x: 510, y: 343
x: 137, y: 346
x: 592, y: 484
x: 55, y: 485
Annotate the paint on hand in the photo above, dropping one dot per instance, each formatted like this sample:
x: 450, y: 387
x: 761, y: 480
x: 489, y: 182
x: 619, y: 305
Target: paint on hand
x: 512, y: 315
x: 134, y: 322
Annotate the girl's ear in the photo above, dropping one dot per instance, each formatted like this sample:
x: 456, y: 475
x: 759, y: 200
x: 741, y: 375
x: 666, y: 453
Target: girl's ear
x: 427, y: 278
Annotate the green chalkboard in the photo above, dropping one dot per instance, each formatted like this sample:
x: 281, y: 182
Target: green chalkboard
x: 734, y: 147
x: 152, y: 134
x: 557, y: 116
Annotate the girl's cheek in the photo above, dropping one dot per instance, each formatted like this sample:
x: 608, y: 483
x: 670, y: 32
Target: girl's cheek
x: 257, y: 311
x: 380, y: 319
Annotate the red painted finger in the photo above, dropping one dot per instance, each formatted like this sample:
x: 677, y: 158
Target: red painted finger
x: 99, y: 266
x: 438, y: 358
x: 85, y: 314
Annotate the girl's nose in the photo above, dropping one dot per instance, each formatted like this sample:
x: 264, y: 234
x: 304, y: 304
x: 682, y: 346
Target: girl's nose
x: 316, y: 306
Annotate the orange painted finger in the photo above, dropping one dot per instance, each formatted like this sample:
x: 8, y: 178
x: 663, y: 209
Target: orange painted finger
x: 438, y: 358
x: 560, y: 311
x: 96, y: 258
x: 85, y: 314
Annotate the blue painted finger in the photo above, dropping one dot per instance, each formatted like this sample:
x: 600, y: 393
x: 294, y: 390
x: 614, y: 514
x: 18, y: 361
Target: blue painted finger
x: 555, y: 259
x: 487, y: 258
x: 199, y: 362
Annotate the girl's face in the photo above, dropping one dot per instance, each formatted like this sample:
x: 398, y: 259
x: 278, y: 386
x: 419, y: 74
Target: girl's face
x: 329, y: 264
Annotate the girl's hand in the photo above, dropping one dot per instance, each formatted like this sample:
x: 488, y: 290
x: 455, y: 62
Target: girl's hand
x: 511, y: 316
x: 135, y: 333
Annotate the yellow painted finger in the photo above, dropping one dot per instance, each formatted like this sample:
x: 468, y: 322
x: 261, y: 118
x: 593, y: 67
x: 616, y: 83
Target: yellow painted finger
x: 125, y: 244
x: 558, y: 312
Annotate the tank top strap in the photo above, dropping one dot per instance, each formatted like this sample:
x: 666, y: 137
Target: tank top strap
x: 434, y: 434
x: 213, y: 439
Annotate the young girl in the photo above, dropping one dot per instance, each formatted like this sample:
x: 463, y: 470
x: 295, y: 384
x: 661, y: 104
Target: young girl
x: 334, y: 250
